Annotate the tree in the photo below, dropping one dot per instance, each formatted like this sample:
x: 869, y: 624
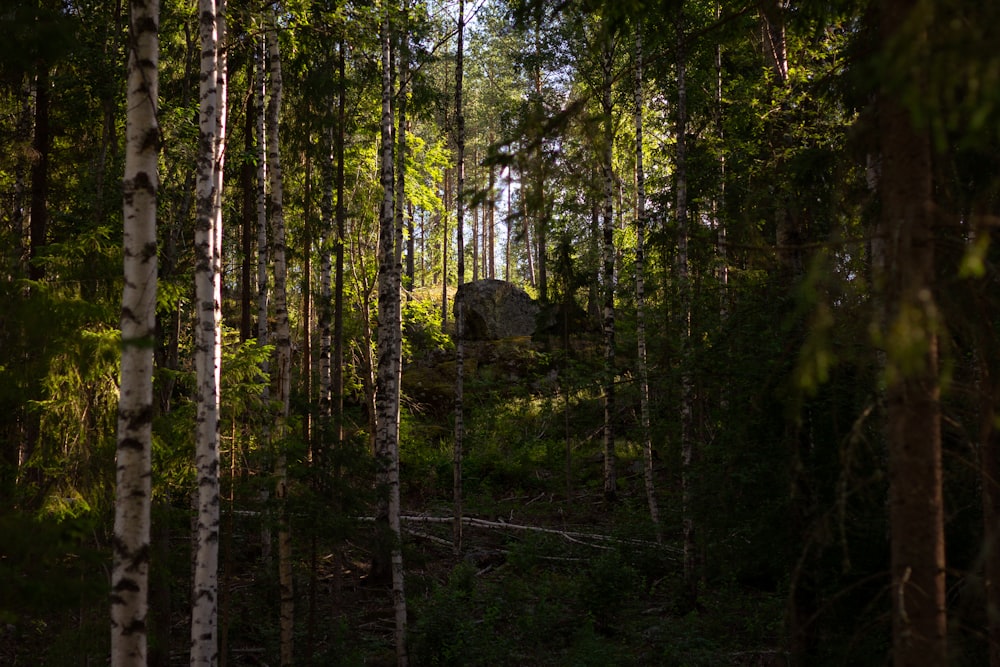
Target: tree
x: 387, y: 393
x: 130, y: 568
x: 609, y: 276
x: 282, y: 340
x: 906, y: 232
x: 683, y: 282
x: 208, y: 293
x: 459, y: 306
x: 640, y: 291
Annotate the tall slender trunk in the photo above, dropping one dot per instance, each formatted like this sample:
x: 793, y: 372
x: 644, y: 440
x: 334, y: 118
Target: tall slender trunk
x: 510, y: 227
x: 444, y: 249
x: 718, y: 203
x: 387, y: 396
x: 211, y: 129
x: 989, y: 466
x: 131, y: 544
x: 325, y: 310
x: 541, y: 214
x: 527, y: 231
x: 640, y: 292
x: 282, y: 341
x: 248, y: 186
x: 916, y: 506
x: 307, y: 306
x: 398, y: 574
x: 38, y: 228
x: 608, y: 278
x: 684, y: 289
x: 459, y: 306
x: 475, y: 222
x: 338, y: 275
x: 491, y: 207
x: 263, y: 259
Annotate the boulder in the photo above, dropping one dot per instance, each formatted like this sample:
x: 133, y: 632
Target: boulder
x: 496, y: 309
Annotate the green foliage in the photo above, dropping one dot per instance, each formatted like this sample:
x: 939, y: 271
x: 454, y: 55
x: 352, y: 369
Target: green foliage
x: 607, y: 587
x: 422, y: 333
x: 49, y: 563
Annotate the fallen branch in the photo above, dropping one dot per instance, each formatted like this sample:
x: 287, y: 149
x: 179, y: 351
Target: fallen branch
x: 568, y: 535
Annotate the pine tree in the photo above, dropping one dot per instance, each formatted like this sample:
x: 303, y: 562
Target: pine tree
x: 459, y: 306
x: 916, y: 503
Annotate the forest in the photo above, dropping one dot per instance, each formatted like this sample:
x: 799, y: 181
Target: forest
x: 500, y: 332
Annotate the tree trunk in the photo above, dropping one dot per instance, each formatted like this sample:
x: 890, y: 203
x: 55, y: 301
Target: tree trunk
x: 263, y: 258
x: 247, y: 184
x: 307, y: 244
x: 283, y: 344
x: 640, y: 293
x: 491, y: 206
x: 38, y: 228
x: 327, y: 237
x: 916, y: 511
x: 459, y: 306
x: 608, y: 228
x: 989, y: 466
x: 211, y: 126
x: 338, y: 275
x: 684, y: 287
x: 444, y: 249
x: 130, y: 567
x: 389, y: 346
x: 541, y: 217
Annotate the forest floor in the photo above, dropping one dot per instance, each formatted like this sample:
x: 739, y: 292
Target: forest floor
x: 541, y: 581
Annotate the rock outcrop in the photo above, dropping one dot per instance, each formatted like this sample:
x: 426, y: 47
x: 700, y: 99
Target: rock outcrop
x: 496, y: 309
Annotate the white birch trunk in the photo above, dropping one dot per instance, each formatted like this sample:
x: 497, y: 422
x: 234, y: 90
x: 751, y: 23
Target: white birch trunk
x: 208, y: 341
x: 130, y: 566
x: 608, y: 225
x: 687, y: 441
x: 640, y: 293
x: 283, y: 342
x: 263, y: 252
x: 325, y: 290
x: 389, y: 345
x: 398, y: 574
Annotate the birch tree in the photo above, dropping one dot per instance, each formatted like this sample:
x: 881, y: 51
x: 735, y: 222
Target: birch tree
x: 609, y: 277
x: 130, y: 563
x: 208, y: 350
x: 282, y: 339
x: 640, y: 289
x: 683, y: 283
x: 389, y: 343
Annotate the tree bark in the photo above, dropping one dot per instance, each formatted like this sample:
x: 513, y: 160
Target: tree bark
x: 684, y: 288
x: 131, y: 545
x: 459, y: 306
x: 283, y: 344
x: 640, y: 292
x: 389, y: 333
x: 38, y: 227
x: 916, y: 507
x: 337, y: 378
x: 208, y: 339
x: 989, y: 466
x: 609, y: 276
